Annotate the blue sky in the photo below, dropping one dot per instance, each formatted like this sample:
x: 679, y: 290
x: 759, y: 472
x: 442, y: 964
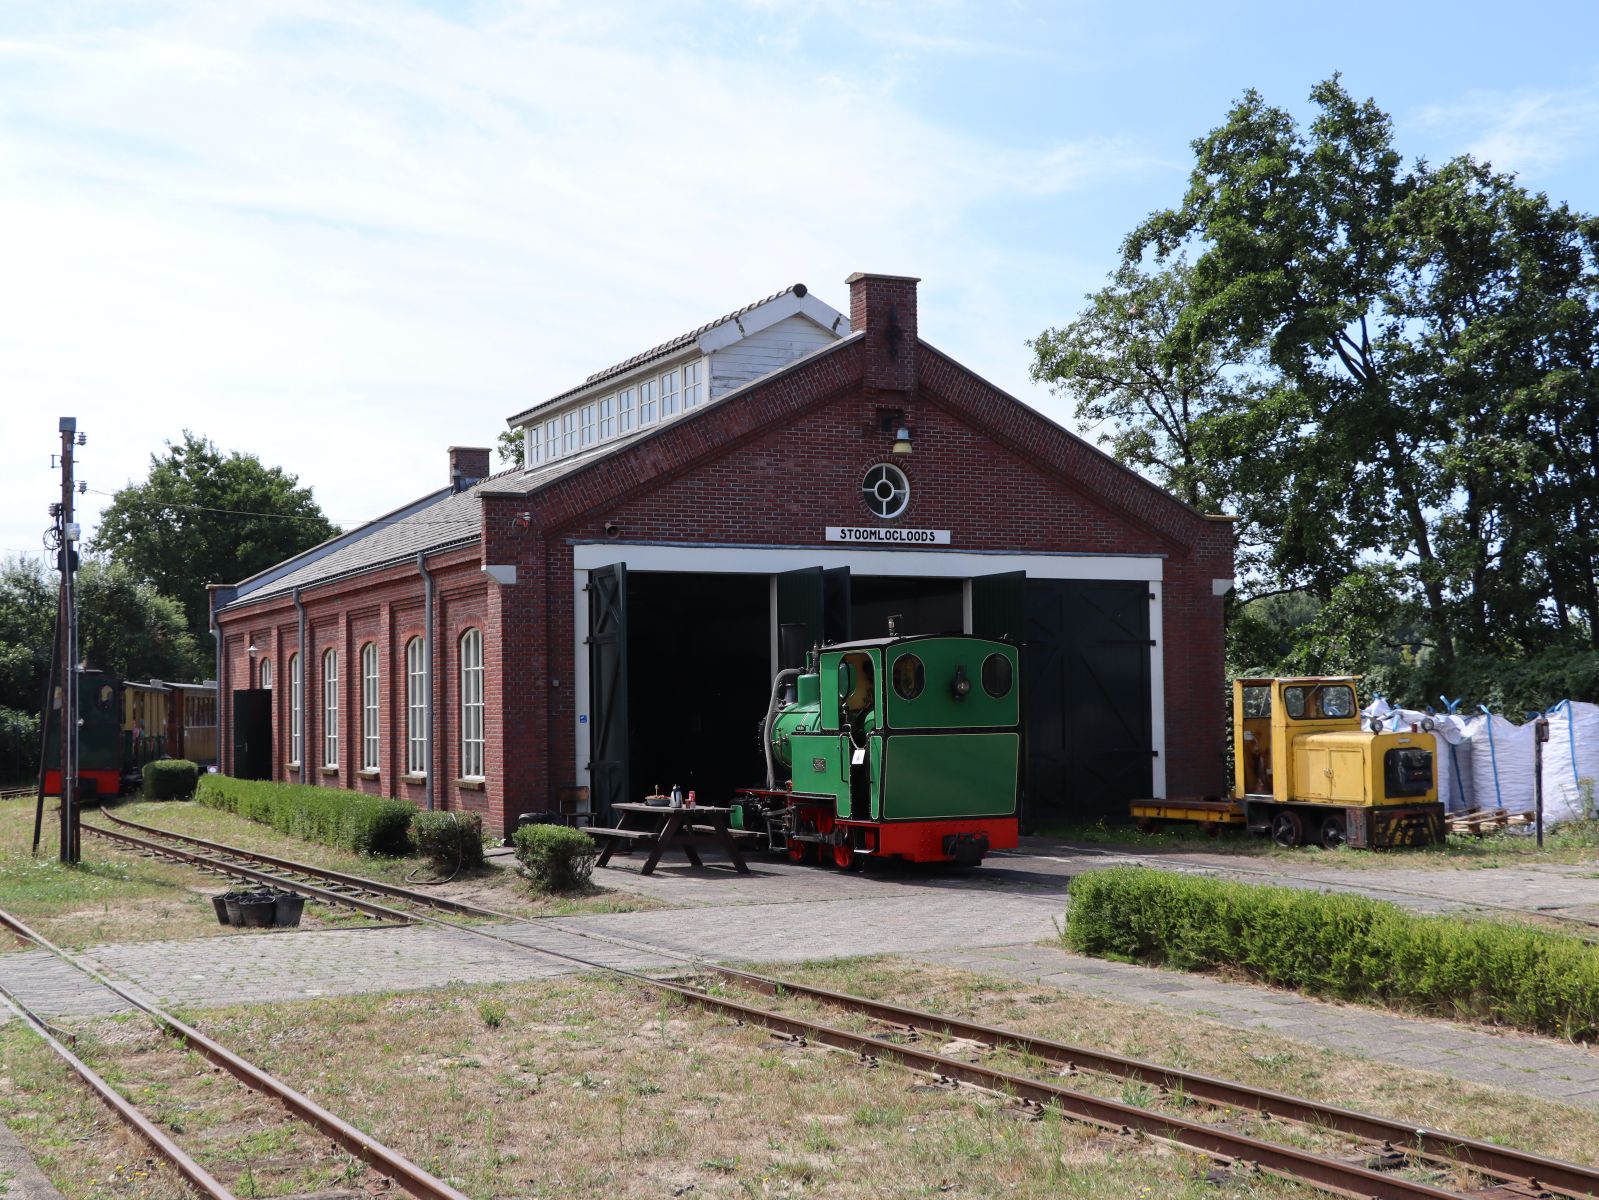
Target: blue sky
x: 345, y: 234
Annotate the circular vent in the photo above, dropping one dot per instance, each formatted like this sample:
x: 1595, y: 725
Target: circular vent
x: 886, y: 490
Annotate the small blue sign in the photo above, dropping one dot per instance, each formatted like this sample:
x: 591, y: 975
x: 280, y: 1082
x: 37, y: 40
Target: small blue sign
x: 582, y: 718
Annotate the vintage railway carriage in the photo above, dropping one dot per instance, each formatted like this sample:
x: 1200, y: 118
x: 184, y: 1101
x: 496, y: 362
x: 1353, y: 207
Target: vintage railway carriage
x: 124, y: 724
x: 899, y: 747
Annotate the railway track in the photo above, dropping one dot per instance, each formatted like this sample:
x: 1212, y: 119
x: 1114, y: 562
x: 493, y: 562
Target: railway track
x: 1376, y: 1139
x: 353, y: 1141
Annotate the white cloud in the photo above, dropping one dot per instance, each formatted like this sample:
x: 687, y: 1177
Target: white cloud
x: 1526, y: 131
x: 346, y: 235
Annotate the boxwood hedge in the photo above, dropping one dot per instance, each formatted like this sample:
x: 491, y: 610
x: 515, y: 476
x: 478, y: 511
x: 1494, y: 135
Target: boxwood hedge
x: 1340, y: 945
x: 333, y: 816
x: 170, y: 778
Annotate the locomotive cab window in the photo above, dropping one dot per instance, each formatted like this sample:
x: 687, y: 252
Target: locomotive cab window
x: 909, y: 676
x: 997, y: 676
x: 1319, y: 702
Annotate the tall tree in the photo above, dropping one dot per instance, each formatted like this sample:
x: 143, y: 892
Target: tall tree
x: 204, y: 517
x: 1128, y: 369
x: 1424, y: 344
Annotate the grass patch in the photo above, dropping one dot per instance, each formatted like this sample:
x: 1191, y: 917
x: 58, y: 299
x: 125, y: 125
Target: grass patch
x: 1572, y: 843
x: 1344, y: 946
x: 591, y: 1086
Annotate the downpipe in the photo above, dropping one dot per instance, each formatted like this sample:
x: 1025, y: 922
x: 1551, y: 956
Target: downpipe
x: 305, y: 742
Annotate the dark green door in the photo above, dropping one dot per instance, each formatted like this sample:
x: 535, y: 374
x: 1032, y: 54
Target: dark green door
x: 252, y: 733
x: 818, y: 600
x: 999, y: 605
x: 607, y: 715
x: 1087, y: 673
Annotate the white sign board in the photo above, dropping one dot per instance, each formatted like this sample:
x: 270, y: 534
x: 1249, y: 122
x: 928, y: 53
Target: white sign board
x: 887, y: 535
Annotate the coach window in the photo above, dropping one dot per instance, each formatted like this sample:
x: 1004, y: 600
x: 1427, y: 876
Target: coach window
x: 416, y: 712
x: 369, y: 707
x: 266, y: 673
x: 909, y: 676
x: 472, y: 704
x: 295, y: 715
x: 330, y: 708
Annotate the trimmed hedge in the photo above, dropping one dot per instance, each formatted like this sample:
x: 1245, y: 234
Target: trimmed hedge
x: 333, y: 816
x: 170, y: 778
x: 1341, y: 945
x: 557, y: 858
x: 449, y: 840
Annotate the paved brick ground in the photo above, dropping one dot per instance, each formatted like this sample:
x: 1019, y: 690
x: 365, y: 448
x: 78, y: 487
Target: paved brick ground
x: 20, y: 1177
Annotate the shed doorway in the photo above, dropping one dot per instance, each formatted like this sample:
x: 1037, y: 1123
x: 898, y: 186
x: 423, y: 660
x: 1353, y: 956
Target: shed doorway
x: 699, y: 671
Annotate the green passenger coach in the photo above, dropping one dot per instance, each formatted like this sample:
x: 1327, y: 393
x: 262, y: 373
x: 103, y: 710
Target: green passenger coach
x: 898, y: 747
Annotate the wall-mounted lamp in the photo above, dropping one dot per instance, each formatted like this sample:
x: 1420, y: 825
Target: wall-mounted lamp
x: 902, y: 440
x: 612, y: 529
x: 251, y: 650
x: 521, y: 521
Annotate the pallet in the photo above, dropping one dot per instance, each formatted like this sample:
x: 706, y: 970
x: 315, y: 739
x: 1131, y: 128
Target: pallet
x: 1483, y: 821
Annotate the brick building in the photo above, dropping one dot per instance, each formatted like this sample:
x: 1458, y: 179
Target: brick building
x: 607, y: 615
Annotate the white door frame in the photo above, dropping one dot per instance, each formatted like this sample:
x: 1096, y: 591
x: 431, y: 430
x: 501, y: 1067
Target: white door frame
x: 942, y: 564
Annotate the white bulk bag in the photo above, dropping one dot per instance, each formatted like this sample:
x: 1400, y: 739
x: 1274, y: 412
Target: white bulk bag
x: 1501, y: 762
x: 1570, y: 757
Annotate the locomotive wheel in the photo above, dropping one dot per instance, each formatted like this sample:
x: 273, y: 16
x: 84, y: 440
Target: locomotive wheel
x: 1333, y: 832
x: 844, y: 857
x: 1287, y: 830
x: 801, y: 851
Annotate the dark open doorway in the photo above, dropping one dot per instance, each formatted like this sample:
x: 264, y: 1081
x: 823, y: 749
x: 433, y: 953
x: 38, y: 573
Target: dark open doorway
x: 699, y: 650
x: 923, y: 605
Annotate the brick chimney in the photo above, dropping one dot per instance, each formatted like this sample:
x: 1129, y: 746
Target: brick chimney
x: 468, y: 464
x: 884, y: 308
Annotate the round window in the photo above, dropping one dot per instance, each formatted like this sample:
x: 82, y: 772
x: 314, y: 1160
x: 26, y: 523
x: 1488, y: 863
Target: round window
x: 909, y: 678
x: 997, y: 676
x: 886, y: 490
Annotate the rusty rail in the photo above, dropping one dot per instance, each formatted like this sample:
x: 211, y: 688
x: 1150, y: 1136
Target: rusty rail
x: 1511, y: 1165
x: 197, y: 1176
x: 354, y: 1141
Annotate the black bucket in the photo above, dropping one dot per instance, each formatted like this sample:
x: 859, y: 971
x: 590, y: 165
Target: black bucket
x: 258, y: 910
x: 220, y: 903
x: 289, y: 906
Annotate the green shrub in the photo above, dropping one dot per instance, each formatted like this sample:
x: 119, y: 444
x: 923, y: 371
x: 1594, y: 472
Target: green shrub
x: 448, y: 840
x: 557, y: 858
x: 170, y: 778
x: 1343, y: 946
x: 333, y: 816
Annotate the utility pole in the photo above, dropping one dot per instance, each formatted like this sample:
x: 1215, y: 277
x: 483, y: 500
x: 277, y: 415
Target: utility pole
x: 68, y: 635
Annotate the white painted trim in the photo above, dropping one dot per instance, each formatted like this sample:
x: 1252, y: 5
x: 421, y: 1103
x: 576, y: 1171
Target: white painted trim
x: 503, y: 574
x: 745, y: 325
x: 771, y: 560
x: 943, y: 564
x: 966, y: 606
x: 1157, y: 687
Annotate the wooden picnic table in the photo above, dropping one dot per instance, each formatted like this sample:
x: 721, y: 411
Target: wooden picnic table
x: 661, y: 827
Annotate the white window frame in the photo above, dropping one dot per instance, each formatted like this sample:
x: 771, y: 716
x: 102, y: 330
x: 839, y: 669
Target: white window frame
x: 646, y: 403
x: 472, y: 742
x: 369, y: 707
x: 586, y: 413
x: 296, y: 708
x: 416, y: 682
x: 625, y: 409
x: 552, y: 438
x: 668, y: 395
x: 330, y: 708
x: 607, y: 418
x: 569, y: 431
x: 266, y: 673
x: 532, y: 445
x: 691, y: 385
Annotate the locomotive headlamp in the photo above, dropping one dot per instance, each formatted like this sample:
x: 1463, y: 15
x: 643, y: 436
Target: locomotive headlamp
x: 960, y: 686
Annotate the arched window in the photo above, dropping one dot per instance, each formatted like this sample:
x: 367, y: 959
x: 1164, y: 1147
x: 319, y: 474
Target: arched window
x: 330, y: 708
x: 369, y: 707
x: 294, y: 709
x: 416, y: 710
x: 472, y: 704
x: 266, y: 673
